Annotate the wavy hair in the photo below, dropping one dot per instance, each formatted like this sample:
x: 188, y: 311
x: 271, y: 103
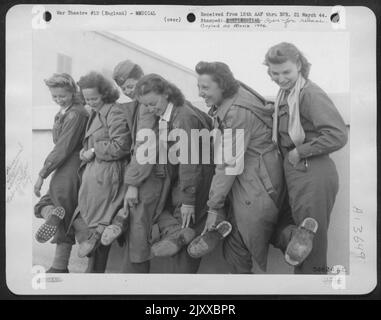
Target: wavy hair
x: 157, y: 84
x: 221, y: 74
x: 64, y: 80
x: 285, y: 51
x: 104, y: 86
x: 61, y: 80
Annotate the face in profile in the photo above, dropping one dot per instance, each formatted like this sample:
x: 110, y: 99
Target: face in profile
x: 209, y: 90
x: 128, y: 87
x: 284, y: 74
x: 62, y: 96
x: 92, y: 97
x: 156, y: 103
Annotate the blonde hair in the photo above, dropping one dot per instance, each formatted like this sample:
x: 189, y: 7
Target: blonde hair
x: 62, y: 80
x: 284, y: 51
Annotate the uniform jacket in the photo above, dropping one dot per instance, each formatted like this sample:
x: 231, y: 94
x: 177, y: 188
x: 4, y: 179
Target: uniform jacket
x: 137, y: 173
x: 256, y: 193
x: 68, y: 133
x: 102, y: 189
x: 190, y: 182
x: 324, y: 127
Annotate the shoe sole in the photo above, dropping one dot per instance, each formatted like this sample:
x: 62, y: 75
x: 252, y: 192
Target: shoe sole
x: 310, y: 225
x: 171, y: 250
x: 47, y: 230
x: 107, y: 239
x: 220, y: 228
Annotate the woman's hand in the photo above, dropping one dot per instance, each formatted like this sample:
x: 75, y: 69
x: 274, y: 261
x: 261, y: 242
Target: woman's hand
x: 187, y: 214
x: 294, y: 157
x: 131, y: 198
x: 38, y: 185
x: 81, y: 154
x: 211, y: 222
x: 86, y: 155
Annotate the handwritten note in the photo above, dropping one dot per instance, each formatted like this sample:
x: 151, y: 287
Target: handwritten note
x: 358, y: 241
x: 17, y: 177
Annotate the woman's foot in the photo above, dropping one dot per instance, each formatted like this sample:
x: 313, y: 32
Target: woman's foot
x: 50, y: 226
x: 171, y: 245
x: 301, y: 242
x: 207, y: 242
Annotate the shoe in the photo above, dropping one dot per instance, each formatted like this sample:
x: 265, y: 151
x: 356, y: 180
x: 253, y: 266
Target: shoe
x: 301, y: 242
x: 171, y: 245
x: 50, y: 226
x: 111, y: 233
x: 207, y: 242
x: 54, y: 270
x: 87, y: 247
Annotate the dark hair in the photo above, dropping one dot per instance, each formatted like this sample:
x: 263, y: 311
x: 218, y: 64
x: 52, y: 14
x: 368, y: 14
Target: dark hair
x: 136, y: 73
x: 104, y: 86
x: 62, y: 80
x: 285, y: 51
x: 221, y: 74
x: 155, y: 83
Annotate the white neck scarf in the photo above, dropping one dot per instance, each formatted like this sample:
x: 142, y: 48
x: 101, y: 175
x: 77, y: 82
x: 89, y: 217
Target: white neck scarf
x: 295, y: 129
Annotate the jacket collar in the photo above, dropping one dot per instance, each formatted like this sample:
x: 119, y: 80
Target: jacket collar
x: 102, y: 116
x: 221, y: 111
x: 166, y: 116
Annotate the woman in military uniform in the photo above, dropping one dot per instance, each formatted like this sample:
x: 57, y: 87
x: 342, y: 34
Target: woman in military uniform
x: 105, y: 155
x: 307, y: 128
x: 58, y: 205
x: 186, y: 185
x: 247, y: 189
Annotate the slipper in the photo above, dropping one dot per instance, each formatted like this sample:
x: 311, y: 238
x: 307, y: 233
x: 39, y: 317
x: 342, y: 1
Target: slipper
x: 87, y: 247
x: 171, y: 245
x: 207, y: 242
x: 50, y: 226
x: 111, y: 232
x: 301, y: 242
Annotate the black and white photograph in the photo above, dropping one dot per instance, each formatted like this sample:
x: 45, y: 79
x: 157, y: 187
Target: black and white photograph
x: 190, y: 150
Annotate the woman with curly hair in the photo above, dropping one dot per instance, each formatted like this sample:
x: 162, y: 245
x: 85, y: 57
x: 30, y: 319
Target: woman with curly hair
x: 58, y: 205
x: 307, y: 128
x: 105, y: 154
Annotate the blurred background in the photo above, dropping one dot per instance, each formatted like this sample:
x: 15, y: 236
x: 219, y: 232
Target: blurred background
x: 174, y: 55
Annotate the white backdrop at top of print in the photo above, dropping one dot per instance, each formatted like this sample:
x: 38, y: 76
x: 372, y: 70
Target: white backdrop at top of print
x: 244, y: 52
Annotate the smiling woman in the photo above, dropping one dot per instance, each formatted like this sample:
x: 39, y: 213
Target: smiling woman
x: 58, y: 205
x: 105, y: 154
x: 256, y: 193
x: 307, y: 128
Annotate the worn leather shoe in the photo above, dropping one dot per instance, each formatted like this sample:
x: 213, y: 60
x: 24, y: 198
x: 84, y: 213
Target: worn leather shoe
x: 88, y: 246
x: 301, y: 242
x: 171, y: 245
x: 207, y: 242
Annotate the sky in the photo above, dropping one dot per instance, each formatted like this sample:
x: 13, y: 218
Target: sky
x: 244, y: 52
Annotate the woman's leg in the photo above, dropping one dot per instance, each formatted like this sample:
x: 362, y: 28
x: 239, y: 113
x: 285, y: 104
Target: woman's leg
x: 98, y: 260
x: 236, y: 254
x: 312, y: 193
x: 60, y: 263
x: 61, y: 258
